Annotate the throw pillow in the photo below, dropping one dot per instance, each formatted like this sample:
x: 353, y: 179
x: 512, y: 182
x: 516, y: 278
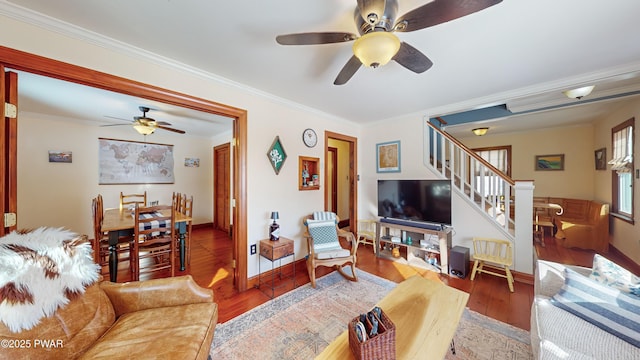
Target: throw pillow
x: 606, y: 307
x: 324, y: 233
x: 609, y: 273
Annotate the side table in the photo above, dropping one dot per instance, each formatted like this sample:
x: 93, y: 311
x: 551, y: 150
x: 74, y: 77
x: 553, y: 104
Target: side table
x: 276, y: 251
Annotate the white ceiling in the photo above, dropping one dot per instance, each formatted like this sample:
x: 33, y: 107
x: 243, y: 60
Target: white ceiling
x: 517, y: 52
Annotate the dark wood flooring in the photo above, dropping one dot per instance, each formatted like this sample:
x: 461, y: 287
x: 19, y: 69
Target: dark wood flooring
x: 489, y: 295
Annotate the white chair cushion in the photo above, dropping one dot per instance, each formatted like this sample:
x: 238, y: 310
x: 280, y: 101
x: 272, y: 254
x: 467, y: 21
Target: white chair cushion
x: 333, y: 254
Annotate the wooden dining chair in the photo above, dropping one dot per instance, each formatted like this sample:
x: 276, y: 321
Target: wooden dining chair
x: 100, y: 242
x: 186, y: 209
x: 155, y: 245
x: 133, y: 199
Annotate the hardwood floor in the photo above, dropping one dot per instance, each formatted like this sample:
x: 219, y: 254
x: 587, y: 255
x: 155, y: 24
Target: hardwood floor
x: 489, y: 295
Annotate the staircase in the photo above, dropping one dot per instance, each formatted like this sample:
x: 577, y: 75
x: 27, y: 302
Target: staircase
x: 486, y: 189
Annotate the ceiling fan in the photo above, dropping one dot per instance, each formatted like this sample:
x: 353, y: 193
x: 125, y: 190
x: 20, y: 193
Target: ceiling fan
x: 146, y: 125
x: 377, y: 45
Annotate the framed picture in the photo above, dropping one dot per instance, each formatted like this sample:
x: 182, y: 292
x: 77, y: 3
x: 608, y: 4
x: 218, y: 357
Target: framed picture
x: 388, y: 157
x: 276, y: 155
x: 192, y: 162
x: 132, y: 162
x: 60, y: 156
x: 601, y: 159
x: 550, y: 162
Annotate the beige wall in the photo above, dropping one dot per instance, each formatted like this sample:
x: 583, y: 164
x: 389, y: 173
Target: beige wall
x: 625, y: 236
x: 59, y: 194
x: 575, y: 142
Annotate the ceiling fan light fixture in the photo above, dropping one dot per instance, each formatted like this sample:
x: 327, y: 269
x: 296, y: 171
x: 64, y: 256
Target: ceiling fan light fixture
x: 579, y: 93
x: 376, y: 48
x: 144, y: 130
x: 480, y: 131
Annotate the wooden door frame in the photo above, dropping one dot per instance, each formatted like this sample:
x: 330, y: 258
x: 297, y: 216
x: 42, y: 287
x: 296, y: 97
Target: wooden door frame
x: 353, y: 176
x: 23, y: 61
x: 332, y: 153
x: 8, y: 139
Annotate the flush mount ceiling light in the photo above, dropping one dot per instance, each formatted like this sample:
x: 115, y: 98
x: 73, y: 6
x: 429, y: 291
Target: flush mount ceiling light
x: 376, y: 48
x: 579, y: 93
x: 144, y: 130
x: 480, y: 131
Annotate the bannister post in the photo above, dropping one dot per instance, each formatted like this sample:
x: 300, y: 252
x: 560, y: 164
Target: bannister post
x: 523, y: 247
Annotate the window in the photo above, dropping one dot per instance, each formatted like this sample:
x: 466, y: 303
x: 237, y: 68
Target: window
x: 622, y: 170
x: 486, y: 183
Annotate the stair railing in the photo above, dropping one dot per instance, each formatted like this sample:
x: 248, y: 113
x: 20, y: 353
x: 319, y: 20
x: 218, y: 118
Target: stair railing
x: 476, y: 179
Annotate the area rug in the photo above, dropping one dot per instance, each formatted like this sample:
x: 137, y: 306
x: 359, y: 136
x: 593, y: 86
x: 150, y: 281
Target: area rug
x: 301, y: 323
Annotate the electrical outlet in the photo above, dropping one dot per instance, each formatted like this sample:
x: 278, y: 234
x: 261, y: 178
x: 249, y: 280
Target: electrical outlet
x: 253, y: 249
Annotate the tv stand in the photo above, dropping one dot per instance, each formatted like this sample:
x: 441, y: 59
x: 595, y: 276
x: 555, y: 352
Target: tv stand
x: 436, y: 242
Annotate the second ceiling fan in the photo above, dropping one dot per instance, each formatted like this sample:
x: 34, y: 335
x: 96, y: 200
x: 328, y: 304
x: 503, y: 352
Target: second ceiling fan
x: 377, y: 45
x: 146, y: 125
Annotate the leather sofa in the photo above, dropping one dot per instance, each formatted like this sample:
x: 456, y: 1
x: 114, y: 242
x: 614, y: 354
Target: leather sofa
x: 171, y: 318
x: 583, y: 224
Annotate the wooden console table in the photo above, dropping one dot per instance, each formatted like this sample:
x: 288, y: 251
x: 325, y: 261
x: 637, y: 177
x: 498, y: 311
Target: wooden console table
x: 426, y: 314
x: 415, y: 252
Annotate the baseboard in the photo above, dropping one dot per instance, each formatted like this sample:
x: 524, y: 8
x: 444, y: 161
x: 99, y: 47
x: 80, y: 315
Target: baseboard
x: 202, y: 226
x: 287, y: 270
x: 634, y: 267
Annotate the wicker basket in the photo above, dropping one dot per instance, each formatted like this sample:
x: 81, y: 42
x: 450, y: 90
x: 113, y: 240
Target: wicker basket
x: 381, y: 346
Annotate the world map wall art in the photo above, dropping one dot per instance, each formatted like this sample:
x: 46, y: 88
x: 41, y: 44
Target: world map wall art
x: 132, y: 162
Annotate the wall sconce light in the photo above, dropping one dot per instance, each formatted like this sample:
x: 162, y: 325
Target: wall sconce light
x: 579, y: 93
x: 480, y: 131
x: 274, y: 229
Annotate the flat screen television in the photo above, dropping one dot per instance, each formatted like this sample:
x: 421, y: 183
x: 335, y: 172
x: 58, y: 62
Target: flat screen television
x: 415, y: 200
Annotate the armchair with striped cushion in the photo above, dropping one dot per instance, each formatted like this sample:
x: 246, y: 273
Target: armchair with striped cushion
x: 324, y: 245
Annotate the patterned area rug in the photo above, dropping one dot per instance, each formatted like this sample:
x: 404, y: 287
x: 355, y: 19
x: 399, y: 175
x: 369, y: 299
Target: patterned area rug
x: 301, y: 323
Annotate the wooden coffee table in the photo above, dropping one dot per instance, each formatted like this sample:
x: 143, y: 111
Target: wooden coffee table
x: 426, y: 314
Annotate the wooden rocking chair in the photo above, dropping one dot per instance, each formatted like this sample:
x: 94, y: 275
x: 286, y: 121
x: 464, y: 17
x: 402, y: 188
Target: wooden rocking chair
x: 324, y: 245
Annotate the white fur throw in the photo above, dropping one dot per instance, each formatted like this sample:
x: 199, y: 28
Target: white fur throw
x: 40, y: 271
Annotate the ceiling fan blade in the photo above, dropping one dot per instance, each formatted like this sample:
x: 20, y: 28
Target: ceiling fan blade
x: 115, y: 125
x: 170, y: 129
x: 162, y: 123
x: 315, y: 38
x: 412, y: 59
x: 117, y: 118
x: 348, y: 70
x: 440, y: 11
x: 368, y: 7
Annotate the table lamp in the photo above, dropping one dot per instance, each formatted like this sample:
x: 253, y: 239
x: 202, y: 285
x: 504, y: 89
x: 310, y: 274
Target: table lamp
x: 274, y: 229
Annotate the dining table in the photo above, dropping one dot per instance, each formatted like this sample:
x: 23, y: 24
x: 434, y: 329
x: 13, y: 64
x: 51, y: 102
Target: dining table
x: 120, y: 222
x: 539, y: 224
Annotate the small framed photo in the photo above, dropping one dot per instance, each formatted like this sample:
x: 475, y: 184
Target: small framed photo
x: 550, y: 162
x: 601, y: 159
x: 192, y: 162
x: 388, y: 157
x: 60, y: 156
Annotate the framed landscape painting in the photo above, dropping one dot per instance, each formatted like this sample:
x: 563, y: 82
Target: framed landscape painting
x: 550, y: 162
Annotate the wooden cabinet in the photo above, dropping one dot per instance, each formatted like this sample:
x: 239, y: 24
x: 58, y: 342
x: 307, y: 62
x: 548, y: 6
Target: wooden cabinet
x: 308, y: 173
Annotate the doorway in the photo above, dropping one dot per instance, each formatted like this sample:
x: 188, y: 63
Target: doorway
x: 341, y: 191
x: 23, y: 61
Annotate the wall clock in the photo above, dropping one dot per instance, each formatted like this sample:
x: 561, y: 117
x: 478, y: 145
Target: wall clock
x: 309, y: 138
